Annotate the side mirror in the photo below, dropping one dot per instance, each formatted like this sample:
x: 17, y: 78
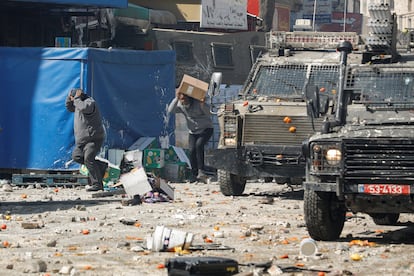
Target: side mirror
x: 215, y: 82
x: 312, y: 101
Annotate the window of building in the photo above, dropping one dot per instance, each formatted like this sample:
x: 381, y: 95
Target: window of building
x: 222, y: 54
x: 410, y: 3
x: 183, y: 51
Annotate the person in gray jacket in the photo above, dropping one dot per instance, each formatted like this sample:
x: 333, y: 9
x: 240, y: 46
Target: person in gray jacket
x: 200, y: 125
x: 89, y: 135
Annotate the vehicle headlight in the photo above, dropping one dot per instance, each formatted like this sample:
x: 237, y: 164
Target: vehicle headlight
x: 333, y: 156
x: 325, y: 158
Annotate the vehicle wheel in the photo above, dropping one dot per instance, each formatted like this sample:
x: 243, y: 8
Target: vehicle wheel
x: 230, y: 184
x: 324, y: 215
x: 268, y: 179
x: 385, y: 218
x: 281, y: 180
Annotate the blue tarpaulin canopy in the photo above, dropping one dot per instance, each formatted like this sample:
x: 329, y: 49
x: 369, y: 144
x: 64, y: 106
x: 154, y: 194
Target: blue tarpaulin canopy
x: 132, y: 89
x: 97, y: 3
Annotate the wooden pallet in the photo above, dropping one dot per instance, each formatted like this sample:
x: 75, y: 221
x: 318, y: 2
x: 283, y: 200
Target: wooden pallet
x: 50, y: 179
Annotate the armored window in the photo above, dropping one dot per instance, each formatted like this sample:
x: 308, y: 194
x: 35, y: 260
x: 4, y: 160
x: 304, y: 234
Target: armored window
x: 183, y: 51
x: 376, y: 83
x: 222, y: 54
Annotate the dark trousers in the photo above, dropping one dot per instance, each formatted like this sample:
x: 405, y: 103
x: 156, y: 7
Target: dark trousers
x: 196, y: 144
x: 85, y: 154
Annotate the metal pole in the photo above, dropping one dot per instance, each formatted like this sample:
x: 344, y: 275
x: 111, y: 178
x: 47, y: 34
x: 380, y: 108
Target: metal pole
x: 345, y: 8
x: 314, y: 12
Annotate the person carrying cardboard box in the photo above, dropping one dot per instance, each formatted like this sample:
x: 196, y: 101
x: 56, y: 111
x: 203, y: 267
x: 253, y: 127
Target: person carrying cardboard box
x: 200, y: 125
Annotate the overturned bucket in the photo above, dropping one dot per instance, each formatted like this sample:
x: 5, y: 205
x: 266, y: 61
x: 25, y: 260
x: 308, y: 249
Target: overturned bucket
x: 165, y: 239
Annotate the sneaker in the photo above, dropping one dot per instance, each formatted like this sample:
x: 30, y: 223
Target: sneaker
x: 95, y: 188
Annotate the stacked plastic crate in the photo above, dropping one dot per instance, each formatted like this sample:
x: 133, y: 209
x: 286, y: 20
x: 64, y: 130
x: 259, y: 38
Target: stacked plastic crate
x: 381, y: 25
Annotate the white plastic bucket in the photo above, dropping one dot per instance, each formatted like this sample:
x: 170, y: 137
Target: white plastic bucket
x: 164, y: 239
x: 308, y: 247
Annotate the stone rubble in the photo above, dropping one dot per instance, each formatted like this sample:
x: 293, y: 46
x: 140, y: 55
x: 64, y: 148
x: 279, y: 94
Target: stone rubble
x: 65, y: 231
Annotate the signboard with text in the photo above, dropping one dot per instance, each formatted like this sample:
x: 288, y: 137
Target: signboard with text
x: 224, y: 14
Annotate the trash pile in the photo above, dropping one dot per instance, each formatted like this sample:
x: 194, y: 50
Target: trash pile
x: 144, y: 169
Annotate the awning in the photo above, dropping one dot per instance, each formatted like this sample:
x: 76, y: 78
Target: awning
x: 96, y: 3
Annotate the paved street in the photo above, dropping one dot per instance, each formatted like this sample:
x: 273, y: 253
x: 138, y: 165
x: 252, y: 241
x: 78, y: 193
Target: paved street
x: 65, y: 231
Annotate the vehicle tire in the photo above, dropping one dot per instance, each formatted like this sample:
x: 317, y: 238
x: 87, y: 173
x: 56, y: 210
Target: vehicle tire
x: 230, y: 184
x: 281, y: 180
x: 324, y: 215
x: 385, y: 218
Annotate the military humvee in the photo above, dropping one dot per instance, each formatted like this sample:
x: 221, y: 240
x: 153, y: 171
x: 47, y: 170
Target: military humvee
x: 363, y: 159
x: 261, y: 132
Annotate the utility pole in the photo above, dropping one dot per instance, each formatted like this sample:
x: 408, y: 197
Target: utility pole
x: 345, y: 8
x: 314, y: 12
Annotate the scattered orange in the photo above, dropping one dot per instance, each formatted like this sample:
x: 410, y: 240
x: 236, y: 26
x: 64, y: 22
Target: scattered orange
x: 287, y: 120
x: 85, y: 231
x: 285, y: 241
x: 356, y: 257
x: 208, y: 240
x: 3, y: 226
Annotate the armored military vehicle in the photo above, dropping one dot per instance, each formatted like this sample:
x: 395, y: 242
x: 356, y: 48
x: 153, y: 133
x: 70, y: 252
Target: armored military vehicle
x: 261, y: 132
x: 363, y: 159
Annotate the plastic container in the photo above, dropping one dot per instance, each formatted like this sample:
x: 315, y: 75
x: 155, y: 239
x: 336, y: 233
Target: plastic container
x: 308, y: 247
x: 164, y: 239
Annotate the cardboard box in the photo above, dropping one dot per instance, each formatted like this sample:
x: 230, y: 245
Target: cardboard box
x: 193, y: 87
x: 176, y: 154
x: 111, y: 175
x: 135, y: 182
x: 176, y: 172
x: 133, y: 157
x: 154, y: 158
x: 155, y: 171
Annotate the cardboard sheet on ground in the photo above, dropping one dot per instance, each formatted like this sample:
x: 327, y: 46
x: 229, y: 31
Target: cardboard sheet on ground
x: 135, y: 182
